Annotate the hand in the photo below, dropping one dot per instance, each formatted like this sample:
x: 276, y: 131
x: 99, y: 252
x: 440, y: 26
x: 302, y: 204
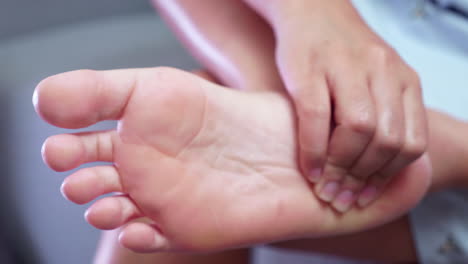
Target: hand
x: 360, y: 111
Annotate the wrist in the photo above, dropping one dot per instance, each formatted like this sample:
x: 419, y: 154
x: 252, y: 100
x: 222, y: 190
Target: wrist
x: 448, y: 151
x: 287, y: 16
x: 277, y: 12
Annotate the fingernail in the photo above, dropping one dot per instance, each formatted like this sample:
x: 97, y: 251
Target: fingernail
x: 343, y: 201
x: 329, y: 191
x: 314, y: 175
x: 368, y: 195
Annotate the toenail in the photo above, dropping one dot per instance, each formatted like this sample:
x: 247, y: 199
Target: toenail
x: 367, y: 196
x: 329, y: 191
x: 343, y: 201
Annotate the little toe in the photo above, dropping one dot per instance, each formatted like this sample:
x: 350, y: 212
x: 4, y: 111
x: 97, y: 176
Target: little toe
x: 87, y: 184
x: 67, y: 151
x: 112, y: 212
x: 143, y: 238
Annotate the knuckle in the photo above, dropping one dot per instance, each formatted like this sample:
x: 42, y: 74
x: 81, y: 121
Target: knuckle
x: 382, y: 54
x: 415, y: 148
x: 391, y: 143
x: 414, y: 78
x: 362, y: 124
x: 309, y: 111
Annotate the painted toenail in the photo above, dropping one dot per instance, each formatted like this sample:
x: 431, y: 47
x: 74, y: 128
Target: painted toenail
x: 314, y: 175
x: 368, y: 195
x: 329, y: 191
x: 343, y: 201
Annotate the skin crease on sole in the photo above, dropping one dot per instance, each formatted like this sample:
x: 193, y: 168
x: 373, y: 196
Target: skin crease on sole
x: 212, y: 168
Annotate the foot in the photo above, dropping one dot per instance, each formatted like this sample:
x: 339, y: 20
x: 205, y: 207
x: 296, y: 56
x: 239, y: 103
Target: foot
x: 212, y: 168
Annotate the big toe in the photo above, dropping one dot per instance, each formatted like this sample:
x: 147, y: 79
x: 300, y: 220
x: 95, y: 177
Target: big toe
x: 81, y: 98
x: 68, y: 99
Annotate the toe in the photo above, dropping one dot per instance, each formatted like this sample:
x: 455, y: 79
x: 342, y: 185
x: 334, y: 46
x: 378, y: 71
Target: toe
x: 111, y: 212
x: 87, y: 184
x: 68, y: 151
x: 62, y: 152
x: 81, y: 98
x: 143, y: 237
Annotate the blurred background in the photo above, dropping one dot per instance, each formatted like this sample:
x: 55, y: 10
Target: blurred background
x: 39, y: 38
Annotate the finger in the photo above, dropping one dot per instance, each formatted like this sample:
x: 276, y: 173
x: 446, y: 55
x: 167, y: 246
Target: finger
x: 390, y: 132
x: 348, y: 194
x: 67, y: 151
x: 313, y: 111
x: 355, y: 123
x: 415, y: 144
x: 87, y: 184
x: 112, y: 212
x: 143, y: 238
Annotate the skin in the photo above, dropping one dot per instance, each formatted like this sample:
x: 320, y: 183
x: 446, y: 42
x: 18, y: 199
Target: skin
x: 196, y: 168
x: 394, y: 237
x: 378, y: 122
x: 339, y: 245
x: 339, y: 64
x: 359, y: 246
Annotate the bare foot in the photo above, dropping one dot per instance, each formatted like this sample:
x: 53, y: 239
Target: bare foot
x: 213, y: 168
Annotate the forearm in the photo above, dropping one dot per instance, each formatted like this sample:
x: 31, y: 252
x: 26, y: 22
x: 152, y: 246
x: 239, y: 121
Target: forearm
x: 448, y: 150
x: 227, y: 37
